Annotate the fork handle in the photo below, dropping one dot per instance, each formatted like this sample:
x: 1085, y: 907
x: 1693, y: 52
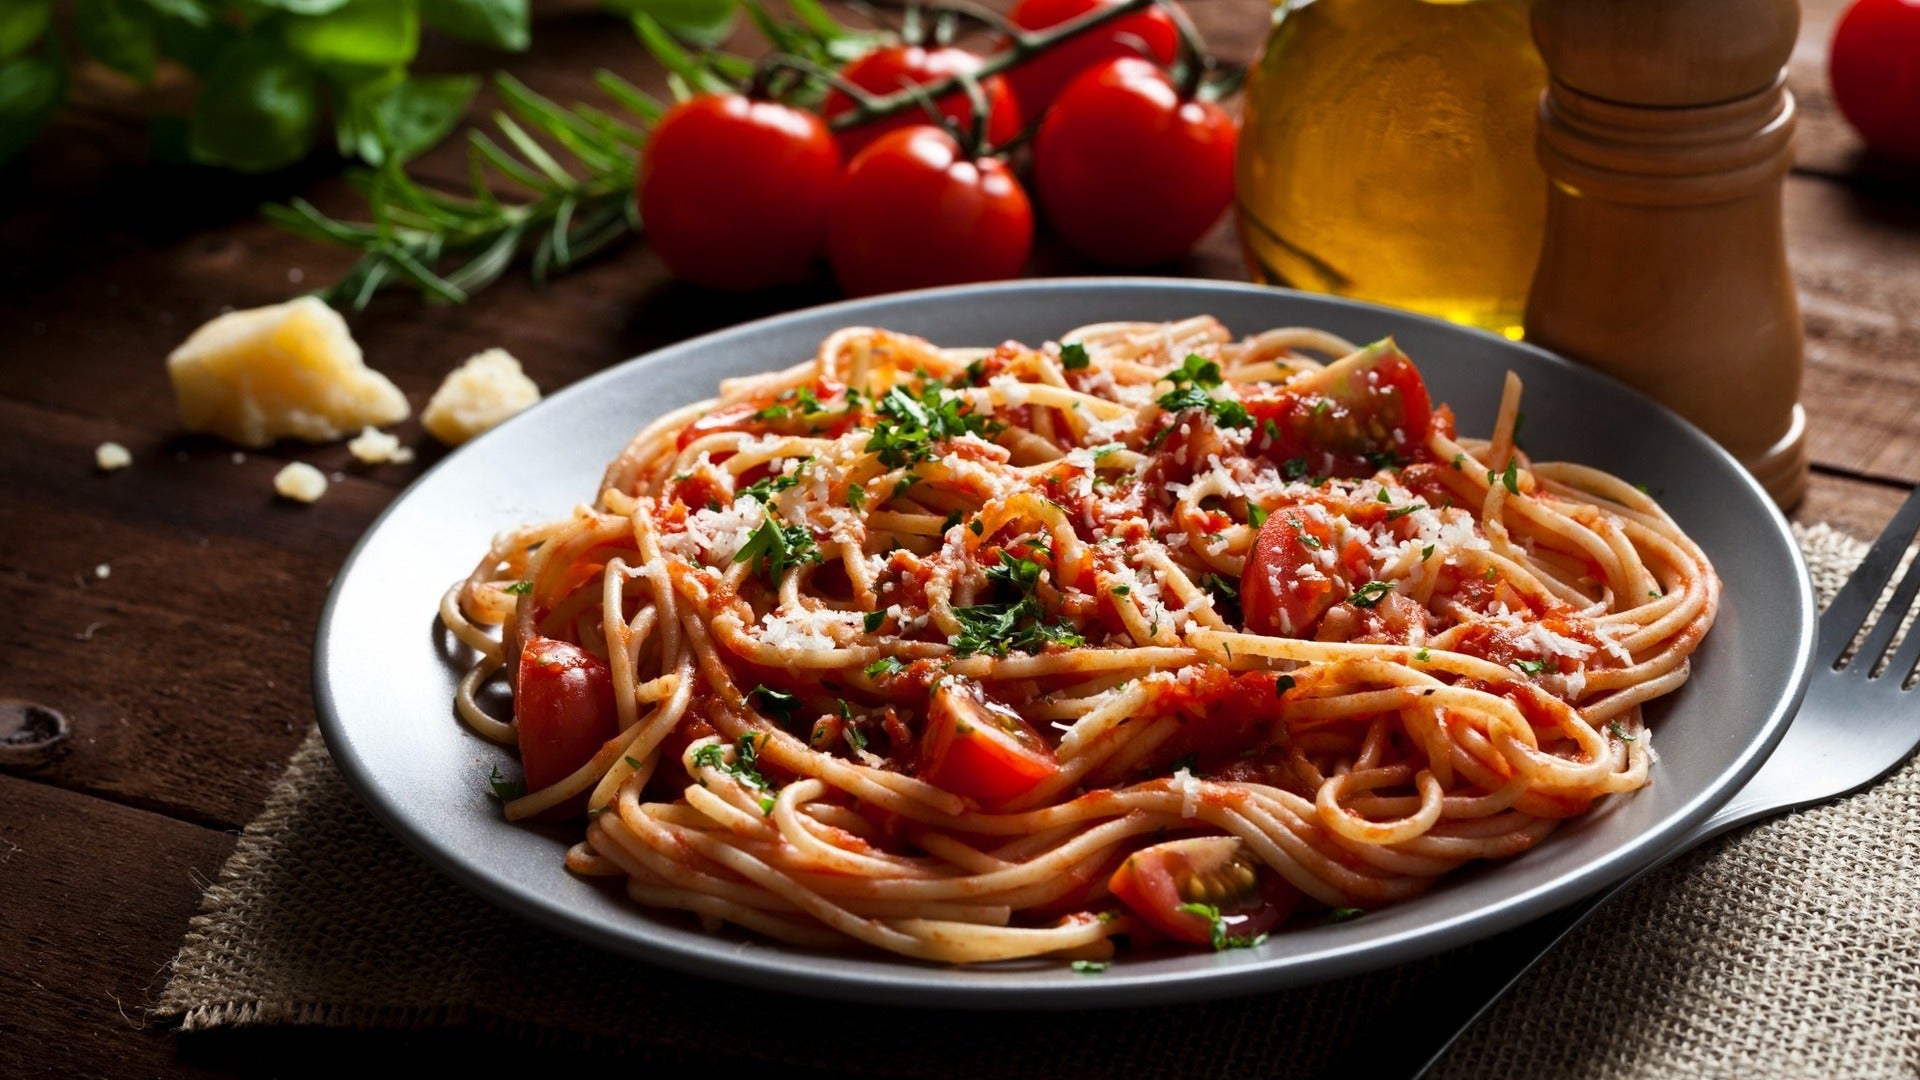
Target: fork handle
x: 1487, y: 981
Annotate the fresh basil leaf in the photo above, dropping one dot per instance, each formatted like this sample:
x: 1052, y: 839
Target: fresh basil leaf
x: 499, y: 24
x: 119, y: 33
x: 30, y: 88
x: 258, y: 111
x: 704, y: 22
x: 21, y: 24
x: 406, y: 120
x: 361, y: 33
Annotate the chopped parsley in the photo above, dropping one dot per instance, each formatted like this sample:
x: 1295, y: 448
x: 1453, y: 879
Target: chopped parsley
x: 1195, y: 370
x: 1459, y: 460
x: 1370, y: 594
x: 857, y: 497
x: 1621, y: 733
x: 1121, y: 590
x: 1107, y: 450
x: 1423, y: 655
x: 1511, y: 477
x: 886, y: 665
x: 1399, y: 512
x: 1294, y: 468
x: 504, y: 789
x: 775, y: 548
x: 997, y: 629
x: 1221, y: 939
x: 1091, y: 967
x: 1307, y: 539
x: 1256, y: 515
x: 1191, y: 381
x: 1530, y: 667
x: 780, y: 703
x: 1073, y: 356
x: 856, y: 739
x: 909, y: 425
x: 874, y: 621
x: 744, y: 767
x: 1226, y: 596
x: 1426, y: 553
x: 1384, y: 497
x: 1342, y: 914
x: 1021, y: 574
x: 763, y: 489
x: 519, y: 588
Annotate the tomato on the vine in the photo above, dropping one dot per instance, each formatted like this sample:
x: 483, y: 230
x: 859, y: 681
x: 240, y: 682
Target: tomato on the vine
x: 1127, y: 172
x: 893, y: 68
x: 1037, y: 82
x: 914, y: 211
x: 1875, y: 68
x: 735, y: 193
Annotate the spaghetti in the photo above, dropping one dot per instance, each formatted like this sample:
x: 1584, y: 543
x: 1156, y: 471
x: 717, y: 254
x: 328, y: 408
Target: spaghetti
x: 979, y: 654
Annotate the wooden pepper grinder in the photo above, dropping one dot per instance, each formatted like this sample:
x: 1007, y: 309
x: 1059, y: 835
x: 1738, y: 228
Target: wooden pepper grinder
x: 1666, y: 132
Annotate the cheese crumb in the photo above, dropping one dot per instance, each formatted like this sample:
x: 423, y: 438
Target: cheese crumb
x: 300, y: 482
x: 109, y: 456
x: 287, y: 371
x: 374, y: 447
x: 102, y: 571
x: 487, y: 389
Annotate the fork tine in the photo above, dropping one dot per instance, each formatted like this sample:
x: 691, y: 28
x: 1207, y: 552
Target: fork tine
x: 1854, y: 602
x: 1882, y: 634
x: 1902, y: 662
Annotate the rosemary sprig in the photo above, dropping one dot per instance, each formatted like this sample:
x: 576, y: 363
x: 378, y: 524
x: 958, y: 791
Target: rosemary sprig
x: 451, y: 246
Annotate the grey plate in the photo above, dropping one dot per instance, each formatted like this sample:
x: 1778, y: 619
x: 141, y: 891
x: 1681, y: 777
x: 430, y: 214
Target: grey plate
x: 384, y: 672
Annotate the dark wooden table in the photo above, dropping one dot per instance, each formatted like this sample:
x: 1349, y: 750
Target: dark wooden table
x: 185, y: 673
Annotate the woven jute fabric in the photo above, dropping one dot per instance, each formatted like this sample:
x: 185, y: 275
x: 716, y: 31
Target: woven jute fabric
x: 1791, y: 948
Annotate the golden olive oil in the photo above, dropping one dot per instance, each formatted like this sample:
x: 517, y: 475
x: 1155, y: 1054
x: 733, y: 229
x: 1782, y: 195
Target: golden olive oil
x: 1387, y: 154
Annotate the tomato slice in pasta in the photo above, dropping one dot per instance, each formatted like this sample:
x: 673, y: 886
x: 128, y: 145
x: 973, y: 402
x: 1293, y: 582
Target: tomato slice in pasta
x: 563, y: 706
x: 979, y: 749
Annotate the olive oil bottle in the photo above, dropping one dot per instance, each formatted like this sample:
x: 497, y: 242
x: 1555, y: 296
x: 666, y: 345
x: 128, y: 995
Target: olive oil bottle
x: 1387, y: 154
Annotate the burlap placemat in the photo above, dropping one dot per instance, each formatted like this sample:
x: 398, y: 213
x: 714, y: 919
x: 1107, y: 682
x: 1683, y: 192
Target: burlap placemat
x: 1790, y: 948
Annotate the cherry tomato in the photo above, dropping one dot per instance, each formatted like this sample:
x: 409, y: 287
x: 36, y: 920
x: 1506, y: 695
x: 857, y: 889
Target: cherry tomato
x: 735, y: 193
x: 1169, y: 884
x: 894, y: 68
x: 1129, y: 174
x: 1284, y: 590
x: 913, y: 211
x: 563, y: 705
x: 1875, y: 68
x: 1345, y: 418
x: 979, y: 749
x: 1037, y: 82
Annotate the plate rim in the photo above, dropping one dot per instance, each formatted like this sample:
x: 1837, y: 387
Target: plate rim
x: 900, y: 981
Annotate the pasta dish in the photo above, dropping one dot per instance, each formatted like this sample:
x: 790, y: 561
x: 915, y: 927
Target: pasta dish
x: 1149, y: 636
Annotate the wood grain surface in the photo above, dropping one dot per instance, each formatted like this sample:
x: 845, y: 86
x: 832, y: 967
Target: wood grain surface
x: 184, y: 672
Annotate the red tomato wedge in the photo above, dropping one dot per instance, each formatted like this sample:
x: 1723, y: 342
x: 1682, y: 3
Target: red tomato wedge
x: 1170, y: 885
x: 1342, y: 418
x: 563, y: 705
x: 978, y: 749
x: 1284, y: 590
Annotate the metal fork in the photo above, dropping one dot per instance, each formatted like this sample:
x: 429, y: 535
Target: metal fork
x: 1858, y: 723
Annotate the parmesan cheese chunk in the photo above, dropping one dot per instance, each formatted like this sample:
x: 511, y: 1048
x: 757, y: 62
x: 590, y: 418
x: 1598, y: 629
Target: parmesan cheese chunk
x: 300, y: 482
x: 291, y: 370
x: 477, y: 395
x: 109, y: 456
x: 373, y: 447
